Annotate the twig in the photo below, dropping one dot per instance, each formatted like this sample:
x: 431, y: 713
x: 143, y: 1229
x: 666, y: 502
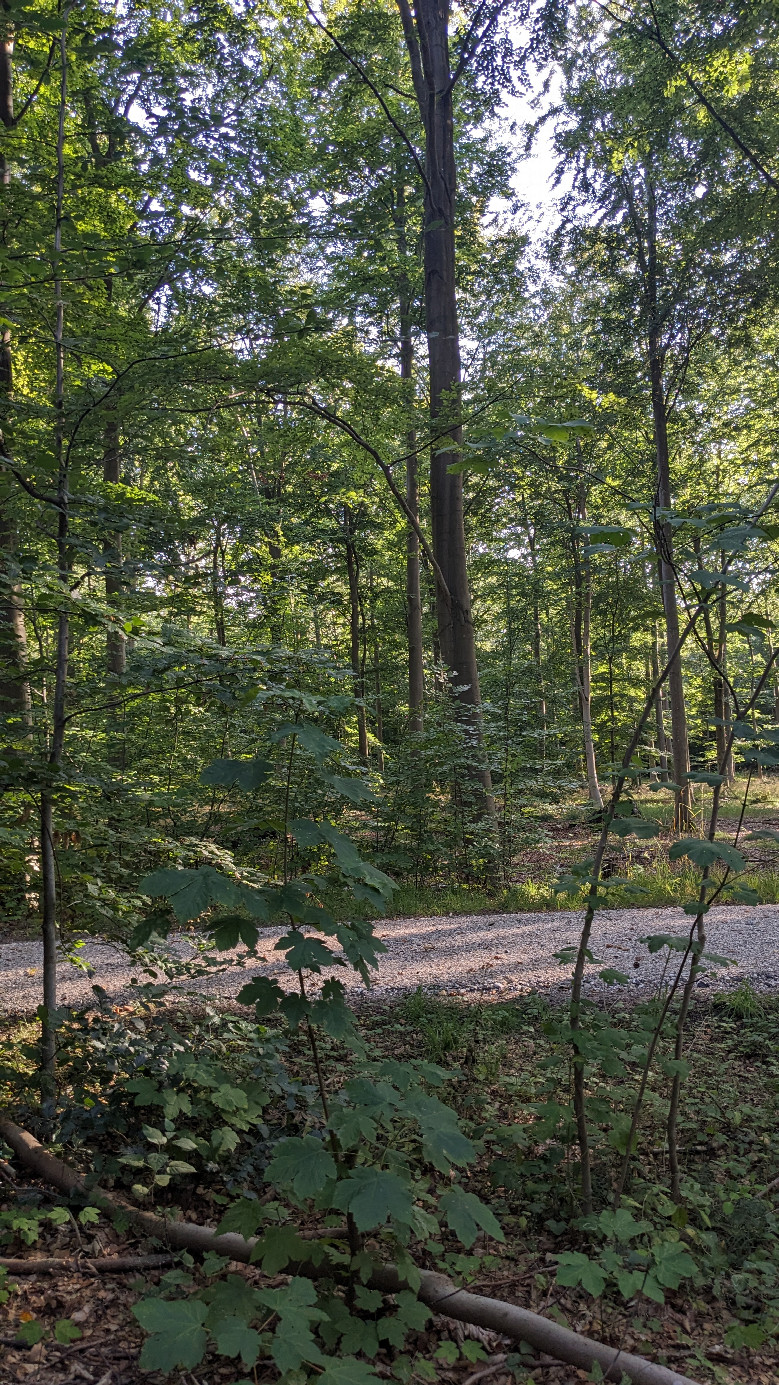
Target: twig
x: 106, y: 1264
x: 486, y: 1371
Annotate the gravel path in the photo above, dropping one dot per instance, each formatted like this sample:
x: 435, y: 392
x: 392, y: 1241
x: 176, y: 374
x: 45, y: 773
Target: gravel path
x: 491, y: 956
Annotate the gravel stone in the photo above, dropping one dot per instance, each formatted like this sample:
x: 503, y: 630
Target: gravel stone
x: 465, y: 956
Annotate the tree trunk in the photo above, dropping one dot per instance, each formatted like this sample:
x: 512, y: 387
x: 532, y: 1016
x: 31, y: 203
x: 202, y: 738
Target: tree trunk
x: 662, y: 739
x: 48, y: 863
x: 356, y: 633
x: 217, y: 586
x: 663, y: 532
x: 427, y: 40
x: 536, y: 636
x: 15, y: 696
x: 376, y: 655
x: 416, y: 671
x: 116, y: 643
x: 582, y: 647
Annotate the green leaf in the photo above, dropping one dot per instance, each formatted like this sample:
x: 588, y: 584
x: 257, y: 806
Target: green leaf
x: 263, y: 994
x: 372, y: 1196
x: 243, y: 774
x: 765, y: 833
x: 234, y: 1338
x: 467, y: 1215
x: 576, y: 1268
x: 676, y: 942
x: 742, y: 1334
x: 705, y: 853
x: 634, y: 827
x: 30, y: 1332
x: 347, y: 1370
x: 230, y: 929
x: 304, y: 1164
x: 672, y: 1264
x: 701, y: 776
x: 244, y: 1217
x: 629, y: 1282
x: 350, y: 787
x: 317, y: 742
x: 306, y: 954
x: 277, y: 1247
x: 191, y: 892
x: 66, y: 1331
x: 178, y: 1337
x: 612, y: 977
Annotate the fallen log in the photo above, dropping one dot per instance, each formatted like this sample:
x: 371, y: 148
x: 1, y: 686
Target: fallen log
x: 435, y: 1290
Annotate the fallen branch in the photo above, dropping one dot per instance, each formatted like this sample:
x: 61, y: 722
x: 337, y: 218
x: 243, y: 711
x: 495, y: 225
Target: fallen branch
x: 435, y: 1290
x: 106, y: 1264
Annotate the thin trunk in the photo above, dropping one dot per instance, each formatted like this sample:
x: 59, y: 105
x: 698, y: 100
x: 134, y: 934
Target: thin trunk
x: 582, y: 652
x: 217, y: 588
x: 15, y: 696
x: 663, y: 532
x: 355, y: 631
x: 427, y: 37
x: 48, y: 862
x: 536, y: 636
x: 724, y: 746
x: 662, y: 740
x: 376, y: 656
x: 116, y: 642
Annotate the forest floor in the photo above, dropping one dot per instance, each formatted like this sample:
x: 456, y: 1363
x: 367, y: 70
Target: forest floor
x: 493, y: 1052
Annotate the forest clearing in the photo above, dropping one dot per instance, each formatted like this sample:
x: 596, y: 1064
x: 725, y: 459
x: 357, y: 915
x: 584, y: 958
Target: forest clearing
x: 389, y: 692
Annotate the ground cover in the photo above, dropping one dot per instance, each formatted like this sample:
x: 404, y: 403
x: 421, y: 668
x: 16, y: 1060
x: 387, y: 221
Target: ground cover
x: 694, y: 1283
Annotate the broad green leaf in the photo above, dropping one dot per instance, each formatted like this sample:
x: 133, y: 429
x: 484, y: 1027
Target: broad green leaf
x: 306, y: 954
x: 66, y: 1331
x: 351, y: 787
x: 576, y: 1268
x: 304, y: 1164
x: 277, y: 1247
x: 705, y: 853
x: 243, y: 774
x: 317, y: 742
x: 230, y: 929
x: 700, y: 776
x: 191, y: 891
x: 634, y: 827
x: 244, y: 1216
x: 467, y: 1215
x: 234, y: 1338
x: 263, y: 994
x: 612, y: 977
x: 672, y: 1264
x: 177, y: 1334
x: 372, y: 1196
x: 347, y: 1370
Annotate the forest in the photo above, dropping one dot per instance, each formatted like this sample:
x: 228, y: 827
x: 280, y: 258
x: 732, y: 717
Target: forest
x: 389, y: 692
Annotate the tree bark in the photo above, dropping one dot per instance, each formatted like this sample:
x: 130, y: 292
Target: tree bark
x: 416, y: 670
x: 356, y: 631
x: 48, y: 862
x: 427, y: 38
x: 680, y: 751
x: 662, y: 739
x: 15, y: 695
x: 536, y: 636
x: 116, y: 641
x: 582, y: 647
